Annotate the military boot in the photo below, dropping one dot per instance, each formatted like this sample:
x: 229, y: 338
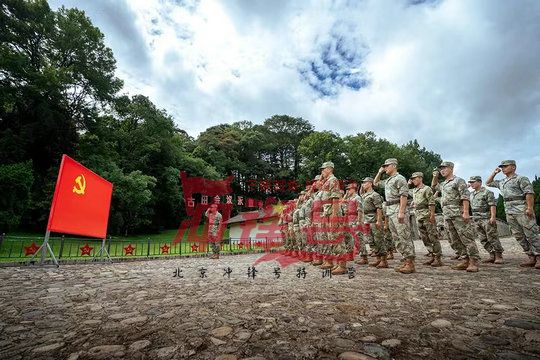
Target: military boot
x: 473, y: 265
x: 327, y: 264
x: 340, y: 269
x: 362, y: 261
x: 408, y: 268
x: 437, y: 261
x: 530, y: 263
x: 498, y: 258
x: 491, y: 259
x: 375, y: 262
x: 463, y: 265
x: 383, y: 264
x: 430, y: 261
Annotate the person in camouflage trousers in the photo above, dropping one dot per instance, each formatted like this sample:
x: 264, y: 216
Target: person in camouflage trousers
x: 396, y: 191
x: 305, y: 225
x: 518, y: 195
x: 332, y: 248
x: 424, y: 210
x: 372, y: 202
x: 353, y: 210
x: 387, y: 234
x: 289, y: 245
x: 297, y: 235
x: 455, y: 206
x: 316, y: 222
x: 214, y: 229
x: 459, y: 250
x: 484, y: 205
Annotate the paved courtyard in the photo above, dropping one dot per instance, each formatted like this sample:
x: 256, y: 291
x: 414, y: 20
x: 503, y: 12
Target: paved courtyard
x: 141, y: 310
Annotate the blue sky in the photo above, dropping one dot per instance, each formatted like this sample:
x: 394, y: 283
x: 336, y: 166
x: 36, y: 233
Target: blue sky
x: 462, y: 77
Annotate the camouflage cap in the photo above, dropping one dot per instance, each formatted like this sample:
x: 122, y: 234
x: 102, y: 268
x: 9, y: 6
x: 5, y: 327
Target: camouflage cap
x: 446, y: 164
x: 417, y: 174
x: 368, y: 179
x: 475, y: 178
x: 507, y: 162
x: 391, y: 161
x: 327, y: 164
x: 352, y: 185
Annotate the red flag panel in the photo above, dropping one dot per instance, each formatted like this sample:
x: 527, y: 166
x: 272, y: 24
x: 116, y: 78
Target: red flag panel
x: 81, y: 201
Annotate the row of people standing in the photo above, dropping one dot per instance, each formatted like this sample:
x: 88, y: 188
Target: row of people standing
x: 328, y: 228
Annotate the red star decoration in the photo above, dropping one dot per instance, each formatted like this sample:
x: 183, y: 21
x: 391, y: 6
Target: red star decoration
x: 240, y: 246
x: 258, y: 244
x: 85, y: 250
x: 129, y: 249
x: 194, y: 247
x: 31, y: 250
x: 165, y: 249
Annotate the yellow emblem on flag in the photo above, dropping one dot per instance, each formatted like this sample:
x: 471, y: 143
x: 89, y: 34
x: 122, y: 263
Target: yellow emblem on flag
x: 80, y: 185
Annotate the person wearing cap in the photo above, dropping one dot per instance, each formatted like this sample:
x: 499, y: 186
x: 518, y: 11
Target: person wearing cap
x: 290, y: 228
x: 305, y: 222
x: 297, y: 218
x: 387, y: 234
x: 373, y: 226
x: 459, y: 249
x: 424, y: 210
x: 353, y: 210
x: 455, y: 203
x: 483, y: 204
x: 518, y: 195
x: 316, y: 224
x: 215, y: 228
x: 396, y: 191
x: 332, y: 252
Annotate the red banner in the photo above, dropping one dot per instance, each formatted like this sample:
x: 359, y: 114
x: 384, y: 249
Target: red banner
x: 81, y: 201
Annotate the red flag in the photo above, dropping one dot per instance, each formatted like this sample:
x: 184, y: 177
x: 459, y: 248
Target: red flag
x: 81, y: 201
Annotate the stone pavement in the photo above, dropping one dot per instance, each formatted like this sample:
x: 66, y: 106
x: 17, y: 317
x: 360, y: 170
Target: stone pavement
x: 140, y: 310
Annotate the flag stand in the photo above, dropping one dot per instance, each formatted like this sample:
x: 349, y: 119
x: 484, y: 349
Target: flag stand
x: 44, y: 247
x: 103, y: 253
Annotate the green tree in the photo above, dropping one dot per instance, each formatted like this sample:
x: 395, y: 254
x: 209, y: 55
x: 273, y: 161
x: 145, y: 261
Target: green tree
x: 15, y: 185
x: 284, y: 135
x: 321, y: 146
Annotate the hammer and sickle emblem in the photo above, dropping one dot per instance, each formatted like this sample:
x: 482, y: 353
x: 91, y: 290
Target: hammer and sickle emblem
x: 80, y: 186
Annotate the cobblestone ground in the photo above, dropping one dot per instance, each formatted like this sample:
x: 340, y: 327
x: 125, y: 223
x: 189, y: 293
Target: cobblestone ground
x: 139, y: 310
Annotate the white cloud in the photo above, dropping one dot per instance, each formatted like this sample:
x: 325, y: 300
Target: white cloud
x: 462, y: 77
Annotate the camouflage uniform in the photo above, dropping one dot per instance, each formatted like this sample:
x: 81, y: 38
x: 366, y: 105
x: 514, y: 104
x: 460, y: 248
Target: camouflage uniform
x: 386, y: 233
x: 296, y: 226
x: 524, y: 229
x: 329, y: 194
x: 374, y: 237
x: 352, y: 208
x: 453, y: 192
x: 394, y: 188
x: 305, y: 225
x: 213, y: 230
x: 283, y: 229
x: 422, y: 200
x: 290, y: 229
x: 316, y: 226
x: 481, y: 202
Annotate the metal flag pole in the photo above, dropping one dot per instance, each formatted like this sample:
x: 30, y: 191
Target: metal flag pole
x: 103, y: 251
x: 43, y: 248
